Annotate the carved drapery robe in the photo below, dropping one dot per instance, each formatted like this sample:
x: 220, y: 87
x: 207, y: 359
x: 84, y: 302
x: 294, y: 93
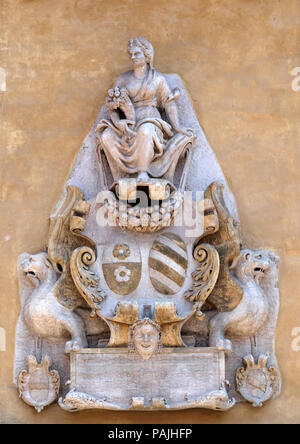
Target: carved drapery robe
x: 154, y: 139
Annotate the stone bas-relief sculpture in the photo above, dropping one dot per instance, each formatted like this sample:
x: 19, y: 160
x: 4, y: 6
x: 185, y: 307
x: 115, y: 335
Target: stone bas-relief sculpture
x: 146, y: 281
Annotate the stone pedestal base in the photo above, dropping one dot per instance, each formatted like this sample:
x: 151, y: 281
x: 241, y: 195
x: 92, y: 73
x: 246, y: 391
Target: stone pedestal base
x: 176, y: 378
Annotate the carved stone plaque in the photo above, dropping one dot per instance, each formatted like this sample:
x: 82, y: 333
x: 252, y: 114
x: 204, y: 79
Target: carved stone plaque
x: 180, y: 378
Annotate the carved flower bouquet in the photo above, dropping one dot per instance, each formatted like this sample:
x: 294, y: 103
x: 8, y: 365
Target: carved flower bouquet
x: 118, y: 99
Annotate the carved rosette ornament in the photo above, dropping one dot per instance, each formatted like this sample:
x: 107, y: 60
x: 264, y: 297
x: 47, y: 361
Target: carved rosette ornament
x: 121, y: 252
x: 146, y: 281
x: 256, y: 383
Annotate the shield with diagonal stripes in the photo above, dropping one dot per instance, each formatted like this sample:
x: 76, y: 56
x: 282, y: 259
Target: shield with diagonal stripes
x: 168, y: 263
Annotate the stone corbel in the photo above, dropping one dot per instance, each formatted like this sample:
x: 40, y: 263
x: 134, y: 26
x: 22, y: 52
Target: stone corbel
x: 127, y: 313
x: 171, y: 324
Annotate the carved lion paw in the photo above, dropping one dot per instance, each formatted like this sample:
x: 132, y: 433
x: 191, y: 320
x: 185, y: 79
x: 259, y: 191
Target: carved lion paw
x: 75, y: 345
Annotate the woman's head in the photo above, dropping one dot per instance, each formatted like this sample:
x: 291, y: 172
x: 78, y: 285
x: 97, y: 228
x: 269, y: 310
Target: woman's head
x: 141, y: 51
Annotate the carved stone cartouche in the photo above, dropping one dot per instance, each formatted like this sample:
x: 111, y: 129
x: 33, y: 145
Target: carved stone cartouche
x: 117, y: 291
x: 256, y: 383
x: 38, y: 386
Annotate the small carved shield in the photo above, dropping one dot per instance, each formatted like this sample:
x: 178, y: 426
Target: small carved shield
x: 122, y: 267
x: 38, y: 386
x: 256, y: 383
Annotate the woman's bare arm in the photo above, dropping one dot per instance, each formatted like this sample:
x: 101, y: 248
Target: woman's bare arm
x: 172, y: 113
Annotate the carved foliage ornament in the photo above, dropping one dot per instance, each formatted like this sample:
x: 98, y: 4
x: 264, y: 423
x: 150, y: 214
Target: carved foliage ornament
x: 205, y: 277
x: 85, y: 280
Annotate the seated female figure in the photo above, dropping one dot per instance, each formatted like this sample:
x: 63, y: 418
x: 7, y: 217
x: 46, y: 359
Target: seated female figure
x: 136, y: 140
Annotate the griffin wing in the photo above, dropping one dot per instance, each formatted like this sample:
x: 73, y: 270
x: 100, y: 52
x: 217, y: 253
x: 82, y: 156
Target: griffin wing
x: 226, y: 294
x: 65, y: 235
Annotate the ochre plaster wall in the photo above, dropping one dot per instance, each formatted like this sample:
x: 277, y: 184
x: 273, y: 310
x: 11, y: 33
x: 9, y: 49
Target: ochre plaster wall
x: 236, y: 58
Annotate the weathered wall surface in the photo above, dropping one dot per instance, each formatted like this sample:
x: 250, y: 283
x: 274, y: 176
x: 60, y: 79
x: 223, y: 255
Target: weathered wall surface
x: 236, y: 58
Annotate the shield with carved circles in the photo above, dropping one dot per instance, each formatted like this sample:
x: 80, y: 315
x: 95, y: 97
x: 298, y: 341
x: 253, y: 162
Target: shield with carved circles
x: 122, y: 267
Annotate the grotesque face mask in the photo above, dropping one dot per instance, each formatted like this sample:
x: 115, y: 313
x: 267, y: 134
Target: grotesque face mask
x: 145, y: 338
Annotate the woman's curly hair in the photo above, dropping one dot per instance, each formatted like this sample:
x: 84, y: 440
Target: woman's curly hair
x: 145, y: 46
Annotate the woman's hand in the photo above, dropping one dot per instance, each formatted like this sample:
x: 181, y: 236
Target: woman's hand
x: 123, y: 126
x: 185, y: 131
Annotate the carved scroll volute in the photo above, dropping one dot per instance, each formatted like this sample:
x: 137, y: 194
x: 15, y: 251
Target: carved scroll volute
x: 85, y: 280
x: 205, y: 277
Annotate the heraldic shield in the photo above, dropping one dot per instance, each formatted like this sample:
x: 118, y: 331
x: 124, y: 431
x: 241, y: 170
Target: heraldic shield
x: 122, y: 267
